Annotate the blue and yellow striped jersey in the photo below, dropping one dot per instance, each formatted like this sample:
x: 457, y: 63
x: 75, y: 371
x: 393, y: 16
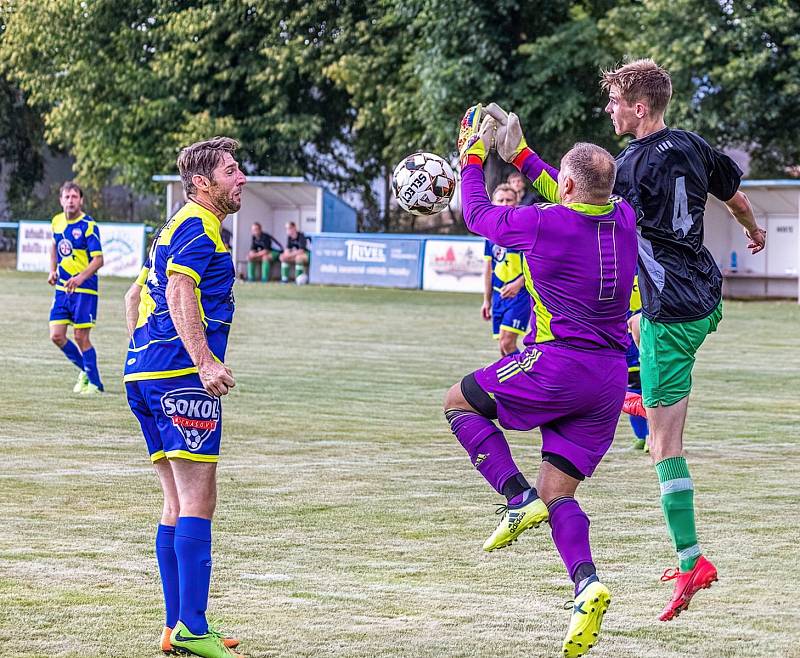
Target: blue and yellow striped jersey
x: 506, y: 264
x: 190, y: 243
x: 636, y: 297
x: 77, y: 242
x: 146, y: 303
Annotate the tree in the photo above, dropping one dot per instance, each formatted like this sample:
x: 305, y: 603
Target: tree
x: 21, y: 140
x: 735, y: 68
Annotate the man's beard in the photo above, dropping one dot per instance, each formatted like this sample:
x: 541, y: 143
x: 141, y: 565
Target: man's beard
x: 224, y: 200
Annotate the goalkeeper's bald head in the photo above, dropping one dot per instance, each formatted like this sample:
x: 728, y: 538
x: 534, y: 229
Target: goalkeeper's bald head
x: 591, y: 170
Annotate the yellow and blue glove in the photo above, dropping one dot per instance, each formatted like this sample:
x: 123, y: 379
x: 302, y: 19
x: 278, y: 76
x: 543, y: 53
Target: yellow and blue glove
x: 475, y: 136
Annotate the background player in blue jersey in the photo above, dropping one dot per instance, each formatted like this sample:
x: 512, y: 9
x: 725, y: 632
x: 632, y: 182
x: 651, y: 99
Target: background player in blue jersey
x: 175, y: 376
x: 505, y: 299
x: 638, y: 423
x: 75, y: 257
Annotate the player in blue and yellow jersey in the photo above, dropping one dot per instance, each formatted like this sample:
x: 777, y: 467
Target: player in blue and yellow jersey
x: 505, y: 299
x: 75, y: 257
x: 179, y: 315
x: 638, y: 423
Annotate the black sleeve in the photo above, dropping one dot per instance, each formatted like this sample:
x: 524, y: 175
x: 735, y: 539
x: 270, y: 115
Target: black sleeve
x: 269, y: 242
x: 724, y: 177
x: 302, y: 241
x: 253, y: 245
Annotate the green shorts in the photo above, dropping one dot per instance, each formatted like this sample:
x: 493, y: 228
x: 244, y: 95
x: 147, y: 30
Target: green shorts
x: 667, y: 355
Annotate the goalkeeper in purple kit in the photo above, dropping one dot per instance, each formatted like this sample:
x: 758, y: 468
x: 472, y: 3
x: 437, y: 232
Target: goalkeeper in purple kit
x: 579, y: 259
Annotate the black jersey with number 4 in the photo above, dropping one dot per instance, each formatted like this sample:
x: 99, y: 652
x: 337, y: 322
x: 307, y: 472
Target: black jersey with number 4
x: 667, y: 177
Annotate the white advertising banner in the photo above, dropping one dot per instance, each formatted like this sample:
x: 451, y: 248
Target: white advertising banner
x: 123, y: 247
x: 453, y: 265
x: 33, y: 246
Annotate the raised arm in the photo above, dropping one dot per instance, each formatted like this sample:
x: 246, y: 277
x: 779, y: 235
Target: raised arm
x: 512, y: 147
x: 543, y: 176
x: 513, y: 228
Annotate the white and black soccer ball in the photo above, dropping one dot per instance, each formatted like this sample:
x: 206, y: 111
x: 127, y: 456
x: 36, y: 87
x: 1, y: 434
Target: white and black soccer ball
x: 302, y: 279
x: 423, y: 183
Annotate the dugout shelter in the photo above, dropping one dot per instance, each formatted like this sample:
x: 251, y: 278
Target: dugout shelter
x: 774, y: 272
x: 273, y: 201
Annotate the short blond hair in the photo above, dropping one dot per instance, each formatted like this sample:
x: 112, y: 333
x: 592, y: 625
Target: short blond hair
x: 641, y: 80
x: 504, y: 187
x: 201, y: 158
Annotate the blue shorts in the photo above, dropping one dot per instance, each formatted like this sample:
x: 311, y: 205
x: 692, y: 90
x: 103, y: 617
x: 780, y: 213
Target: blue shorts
x: 512, y: 314
x: 178, y: 418
x: 78, y: 309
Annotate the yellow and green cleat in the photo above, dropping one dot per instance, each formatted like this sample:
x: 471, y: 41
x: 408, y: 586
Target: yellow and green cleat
x: 82, y: 383
x: 168, y: 649
x: 516, y: 519
x: 91, y: 389
x: 209, y: 645
x: 588, y: 610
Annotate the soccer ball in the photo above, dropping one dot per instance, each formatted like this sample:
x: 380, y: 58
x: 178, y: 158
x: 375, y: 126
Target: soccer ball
x: 423, y: 183
x: 302, y: 279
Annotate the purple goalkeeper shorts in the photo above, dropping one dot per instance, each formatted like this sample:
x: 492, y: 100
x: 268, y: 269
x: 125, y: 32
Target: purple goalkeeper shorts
x: 575, y: 396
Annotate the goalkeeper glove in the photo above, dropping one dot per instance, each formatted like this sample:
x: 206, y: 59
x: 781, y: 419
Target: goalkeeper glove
x: 474, y: 135
x: 509, y: 140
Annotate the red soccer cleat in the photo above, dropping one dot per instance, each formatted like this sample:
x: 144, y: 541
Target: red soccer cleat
x: 687, y: 585
x: 633, y: 405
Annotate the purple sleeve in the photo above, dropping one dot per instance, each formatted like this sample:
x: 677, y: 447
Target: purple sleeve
x: 513, y: 228
x: 542, y: 175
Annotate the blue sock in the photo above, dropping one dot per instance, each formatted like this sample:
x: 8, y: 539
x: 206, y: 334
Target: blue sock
x: 639, y: 424
x: 168, y: 568
x: 72, y: 352
x: 193, y: 549
x: 90, y: 367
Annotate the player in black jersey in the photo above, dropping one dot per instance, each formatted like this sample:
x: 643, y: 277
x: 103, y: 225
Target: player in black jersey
x: 667, y: 175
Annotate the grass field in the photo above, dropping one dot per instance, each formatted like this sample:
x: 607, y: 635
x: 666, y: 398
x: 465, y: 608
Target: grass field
x: 350, y: 522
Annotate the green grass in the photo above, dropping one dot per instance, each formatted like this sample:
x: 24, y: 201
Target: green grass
x: 350, y: 522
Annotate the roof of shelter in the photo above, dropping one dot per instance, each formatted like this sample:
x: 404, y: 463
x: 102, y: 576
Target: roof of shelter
x: 278, y: 191
x: 773, y: 197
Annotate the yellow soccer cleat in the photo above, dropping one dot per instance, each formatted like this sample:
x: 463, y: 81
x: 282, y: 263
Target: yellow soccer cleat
x: 82, y: 383
x: 516, y: 519
x: 588, y: 610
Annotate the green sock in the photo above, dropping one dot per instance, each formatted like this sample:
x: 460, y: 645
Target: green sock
x: 251, y: 270
x: 284, y: 271
x: 265, y: 270
x: 299, y: 269
x: 677, y: 501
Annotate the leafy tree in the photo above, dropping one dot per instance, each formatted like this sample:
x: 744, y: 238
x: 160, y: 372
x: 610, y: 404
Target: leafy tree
x: 735, y: 68
x: 21, y: 141
x: 340, y: 90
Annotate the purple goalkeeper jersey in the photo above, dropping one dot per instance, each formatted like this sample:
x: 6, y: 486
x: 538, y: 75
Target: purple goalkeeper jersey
x: 579, y: 260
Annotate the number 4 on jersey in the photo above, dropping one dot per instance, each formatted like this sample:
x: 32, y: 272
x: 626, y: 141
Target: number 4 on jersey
x: 682, y: 221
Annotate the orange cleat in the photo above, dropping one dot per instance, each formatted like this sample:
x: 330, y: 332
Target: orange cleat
x: 688, y: 584
x: 167, y: 648
x: 633, y: 405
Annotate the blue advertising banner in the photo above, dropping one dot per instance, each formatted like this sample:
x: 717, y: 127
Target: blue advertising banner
x: 366, y: 261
